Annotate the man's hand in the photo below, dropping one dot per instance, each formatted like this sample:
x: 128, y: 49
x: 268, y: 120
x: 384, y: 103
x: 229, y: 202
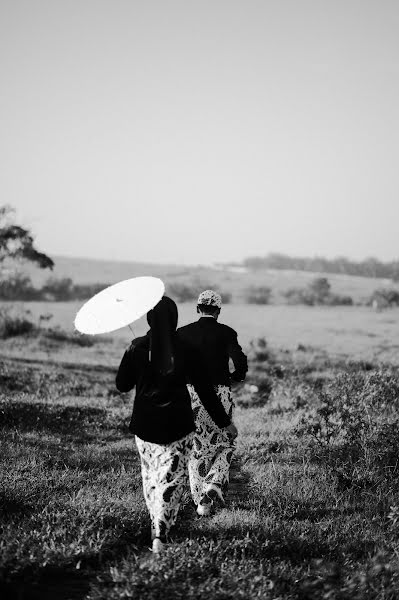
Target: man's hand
x: 232, y: 431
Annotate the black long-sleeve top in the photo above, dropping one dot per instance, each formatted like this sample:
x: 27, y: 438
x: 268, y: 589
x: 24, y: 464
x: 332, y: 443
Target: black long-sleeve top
x: 162, y: 408
x: 216, y: 343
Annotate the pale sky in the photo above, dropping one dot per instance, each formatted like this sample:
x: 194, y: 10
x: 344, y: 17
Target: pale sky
x: 201, y: 131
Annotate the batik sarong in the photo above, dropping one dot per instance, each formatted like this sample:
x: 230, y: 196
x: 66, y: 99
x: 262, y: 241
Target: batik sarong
x: 212, y: 448
x: 165, y: 476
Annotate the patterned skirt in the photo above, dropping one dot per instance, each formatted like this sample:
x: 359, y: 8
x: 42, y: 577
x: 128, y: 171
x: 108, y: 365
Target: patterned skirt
x: 165, y: 476
x: 212, y: 448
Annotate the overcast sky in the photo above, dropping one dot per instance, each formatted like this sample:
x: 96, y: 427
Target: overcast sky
x: 200, y: 131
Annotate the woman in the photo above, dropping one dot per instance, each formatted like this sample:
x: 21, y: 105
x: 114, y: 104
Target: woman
x: 159, y: 365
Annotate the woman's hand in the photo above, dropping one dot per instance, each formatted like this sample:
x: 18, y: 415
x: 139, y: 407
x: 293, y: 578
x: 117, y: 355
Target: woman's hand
x: 232, y: 431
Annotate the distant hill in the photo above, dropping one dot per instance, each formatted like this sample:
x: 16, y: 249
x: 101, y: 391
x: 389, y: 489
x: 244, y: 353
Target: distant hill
x: 231, y: 279
x: 87, y: 270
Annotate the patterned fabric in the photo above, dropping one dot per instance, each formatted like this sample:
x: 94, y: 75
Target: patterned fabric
x: 210, y: 298
x: 164, y: 474
x: 212, y: 448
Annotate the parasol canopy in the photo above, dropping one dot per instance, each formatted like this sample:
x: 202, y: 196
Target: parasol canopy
x: 119, y: 305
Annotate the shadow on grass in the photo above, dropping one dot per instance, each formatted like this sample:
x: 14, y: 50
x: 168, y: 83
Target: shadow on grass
x: 12, y: 506
x: 50, y: 583
x: 91, y: 458
x: 54, y: 419
x: 72, y: 580
x: 49, y: 379
x: 314, y: 511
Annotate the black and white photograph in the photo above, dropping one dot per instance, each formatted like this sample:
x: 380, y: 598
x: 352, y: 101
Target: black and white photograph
x: 199, y: 299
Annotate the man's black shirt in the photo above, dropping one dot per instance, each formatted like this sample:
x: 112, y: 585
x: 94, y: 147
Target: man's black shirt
x: 216, y: 343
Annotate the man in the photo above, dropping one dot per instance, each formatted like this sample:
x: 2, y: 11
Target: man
x: 212, y: 451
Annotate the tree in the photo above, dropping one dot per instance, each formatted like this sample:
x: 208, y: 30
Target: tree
x: 59, y: 289
x: 258, y: 295
x: 320, y: 287
x: 17, y: 242
x: 17, y: 286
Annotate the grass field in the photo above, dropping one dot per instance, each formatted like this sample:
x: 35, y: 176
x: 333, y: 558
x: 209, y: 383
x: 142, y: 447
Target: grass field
x: 318, y: 515
x: 354, y: 332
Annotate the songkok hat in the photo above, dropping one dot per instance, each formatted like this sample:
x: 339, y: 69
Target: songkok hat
x: 210, y: 298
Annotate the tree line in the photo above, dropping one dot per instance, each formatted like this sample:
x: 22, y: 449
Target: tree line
x: 369, y: 267
x: 18, y: 286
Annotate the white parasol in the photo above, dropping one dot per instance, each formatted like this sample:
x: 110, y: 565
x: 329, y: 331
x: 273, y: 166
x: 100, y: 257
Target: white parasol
x: 119, y: 305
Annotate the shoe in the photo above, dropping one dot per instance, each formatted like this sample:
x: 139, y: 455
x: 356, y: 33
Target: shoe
x: 157, y: 546
x: 205, y: 506
x: 209, y: 500
x: 215, y: 495
x: 204, y: 510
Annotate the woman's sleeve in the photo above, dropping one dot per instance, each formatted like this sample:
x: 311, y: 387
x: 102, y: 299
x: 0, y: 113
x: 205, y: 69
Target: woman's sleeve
x: 202, y: 384
x: 126, y: 377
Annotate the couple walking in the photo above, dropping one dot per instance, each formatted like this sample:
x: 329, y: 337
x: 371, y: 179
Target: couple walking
x: 183, y: 408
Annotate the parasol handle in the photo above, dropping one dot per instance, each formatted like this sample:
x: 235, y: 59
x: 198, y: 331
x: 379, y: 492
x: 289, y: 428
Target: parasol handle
x: 131, y: 329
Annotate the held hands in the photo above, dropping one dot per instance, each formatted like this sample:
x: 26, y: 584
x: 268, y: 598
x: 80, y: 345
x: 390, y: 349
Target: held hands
x: 232, y: 431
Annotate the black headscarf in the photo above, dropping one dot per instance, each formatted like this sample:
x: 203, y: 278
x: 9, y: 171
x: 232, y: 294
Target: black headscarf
x: 163, y: 322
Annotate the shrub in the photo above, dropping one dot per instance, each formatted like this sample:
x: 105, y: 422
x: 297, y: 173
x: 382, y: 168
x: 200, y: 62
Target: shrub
x: 258, y: 295
x: 317, y: 292
x: 44, y: 318
x: 71, y: 337
x: 384, y: 298
x: 181, y: 292
x: 58, y: 289
x: 299, y: 296
x: 64, y: 290
x: 355, y: 428
x: 320, y: 288
x: 14, y: 323
x: 17, y: 286
x: 258, y: 350
x: 84, y: 291
x: 226, y: 297
x: 189, y: 292
x: 338, y: 300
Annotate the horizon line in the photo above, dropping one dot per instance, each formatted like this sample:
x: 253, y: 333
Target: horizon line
x: 225, y: 263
